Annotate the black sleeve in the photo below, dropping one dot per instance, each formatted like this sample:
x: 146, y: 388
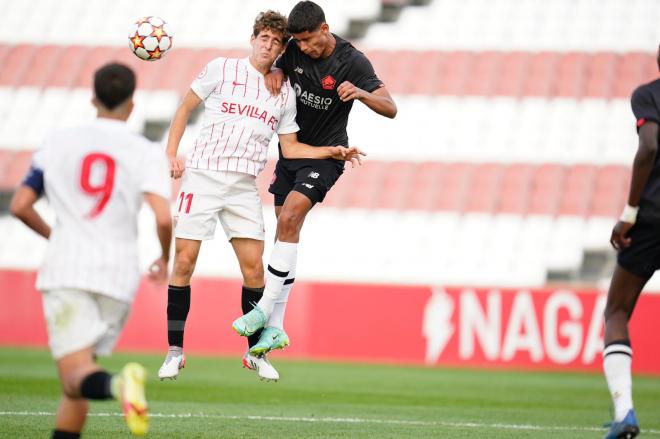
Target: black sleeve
x: 643, y: 106
x: 284, y: 61
x: 362, y: 74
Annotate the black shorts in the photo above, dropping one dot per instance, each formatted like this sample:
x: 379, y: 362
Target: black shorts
x: 642, y: 258
x: 312, y: 178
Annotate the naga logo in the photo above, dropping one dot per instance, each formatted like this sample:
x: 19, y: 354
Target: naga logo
x: 308, y: 186
x: 311, y: 100
x: 313, y: 174
x: 298, y: 70
x: 328, y: 82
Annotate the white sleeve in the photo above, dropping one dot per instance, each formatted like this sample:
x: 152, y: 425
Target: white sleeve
x: 287, y: 124
x: 208, y: 78
x: 40, y: 156
x: 155, y: 172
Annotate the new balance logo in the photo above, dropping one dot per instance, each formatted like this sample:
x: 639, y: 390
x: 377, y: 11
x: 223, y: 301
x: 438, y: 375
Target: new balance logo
x: 313, y: 174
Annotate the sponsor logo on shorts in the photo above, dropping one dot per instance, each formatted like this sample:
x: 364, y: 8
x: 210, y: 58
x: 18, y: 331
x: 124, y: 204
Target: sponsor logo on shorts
x: 313, y: 174
x: 308, y: 186
x: 298, y: 70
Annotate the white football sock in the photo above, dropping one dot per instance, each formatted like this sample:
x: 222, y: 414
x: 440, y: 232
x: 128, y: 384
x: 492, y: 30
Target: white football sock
x: 617, y: 360
x: 277, y: 316
x: 282, y: 261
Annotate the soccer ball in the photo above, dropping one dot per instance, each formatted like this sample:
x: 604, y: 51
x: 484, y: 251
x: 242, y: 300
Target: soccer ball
x: 150, y: 38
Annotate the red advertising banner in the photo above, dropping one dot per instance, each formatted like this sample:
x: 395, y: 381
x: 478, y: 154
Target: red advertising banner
x: 544, y: 328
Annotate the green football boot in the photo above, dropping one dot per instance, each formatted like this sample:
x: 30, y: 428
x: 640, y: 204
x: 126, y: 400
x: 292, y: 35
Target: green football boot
x: 250, y: 323
x: 271, y: 338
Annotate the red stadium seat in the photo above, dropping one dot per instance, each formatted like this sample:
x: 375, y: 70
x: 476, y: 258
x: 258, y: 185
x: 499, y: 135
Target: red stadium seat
x: 19, y: 163
x: 610, y: 191
x: 395, y: 185
x: 571, y: 75
x: 578, y: 190
x: 546, y: 189
x: 516, y: 186
x: 454, y: 187
x: 67, y: 66
x: 512, y: 75
x: 425, y: 185
x: 15, y: 64
x: 485, y: 188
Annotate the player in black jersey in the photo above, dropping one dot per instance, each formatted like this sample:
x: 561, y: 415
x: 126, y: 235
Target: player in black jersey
x: 636, y: 236
x: 328, y: 75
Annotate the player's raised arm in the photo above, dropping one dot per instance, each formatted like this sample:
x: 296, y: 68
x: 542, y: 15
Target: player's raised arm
x: 161, y: 208
x: 22, y: 203
x: 379, y: 100
x: 178, y: 126
x: 293, y: 149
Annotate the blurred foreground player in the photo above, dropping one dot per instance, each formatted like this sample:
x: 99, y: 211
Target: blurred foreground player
x: 219, y: 183
x: 328, y: 74
x: 95, y: 178
x: 636, y: 236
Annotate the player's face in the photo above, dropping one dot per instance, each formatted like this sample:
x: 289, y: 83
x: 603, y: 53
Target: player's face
x: 266, y: 46
x: 314, y: 44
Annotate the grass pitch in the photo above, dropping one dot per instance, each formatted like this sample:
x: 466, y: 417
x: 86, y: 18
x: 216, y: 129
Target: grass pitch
x: 216, y: 398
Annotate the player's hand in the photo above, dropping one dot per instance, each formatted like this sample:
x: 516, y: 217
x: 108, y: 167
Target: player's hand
x: 351, y: 154
x: 273, y: 81
x: 619, y: 238
x: 347, y: 92
x: 176, y: 167
x: 158, y: 271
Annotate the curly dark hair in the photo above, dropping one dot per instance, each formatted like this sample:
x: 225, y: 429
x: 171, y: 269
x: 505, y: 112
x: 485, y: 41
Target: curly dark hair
x: 274, y: 21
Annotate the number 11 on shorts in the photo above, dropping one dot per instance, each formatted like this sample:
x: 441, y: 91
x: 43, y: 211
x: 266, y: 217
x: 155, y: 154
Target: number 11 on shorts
x: 188, y: 198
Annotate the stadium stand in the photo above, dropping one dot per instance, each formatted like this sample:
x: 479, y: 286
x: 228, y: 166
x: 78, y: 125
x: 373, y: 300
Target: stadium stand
x: 506, y: 165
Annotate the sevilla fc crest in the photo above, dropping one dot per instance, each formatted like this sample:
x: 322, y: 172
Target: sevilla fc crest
x: 328, y: 82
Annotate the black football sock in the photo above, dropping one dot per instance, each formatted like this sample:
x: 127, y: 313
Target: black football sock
x: 178, y: 305
x: 97, y: 385
x: 249, y: 297
x: 59, y: 434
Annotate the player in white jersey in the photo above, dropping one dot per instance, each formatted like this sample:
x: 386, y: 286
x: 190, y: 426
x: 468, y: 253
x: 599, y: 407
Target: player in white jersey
x: 95, y: 178
x: 240, y: 118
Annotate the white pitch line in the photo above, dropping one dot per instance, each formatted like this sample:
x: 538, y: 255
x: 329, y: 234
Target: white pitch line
x: 474, y: 425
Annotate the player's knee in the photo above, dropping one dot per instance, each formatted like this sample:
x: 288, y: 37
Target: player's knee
x: 184, y: 265
x: 70, y: 387
x: 253, y: 272
x: 289, y: 224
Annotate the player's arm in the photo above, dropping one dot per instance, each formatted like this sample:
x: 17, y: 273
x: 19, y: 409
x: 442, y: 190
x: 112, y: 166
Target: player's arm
x: 22, y: 203
x: 161, y: 208
x: 274, y: 80
x: 380, y: 101
x: 178, y: 126
x: 641, y: 169
x: 293, y: 149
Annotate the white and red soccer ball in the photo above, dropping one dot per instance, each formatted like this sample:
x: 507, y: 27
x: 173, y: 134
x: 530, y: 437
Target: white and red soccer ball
x: 150, y: 38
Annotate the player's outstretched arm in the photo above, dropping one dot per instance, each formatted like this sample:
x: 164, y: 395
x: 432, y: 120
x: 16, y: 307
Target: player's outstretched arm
x: 641, y: 169
x: 379, y: 100
x: 161, y: 208
x: 22, y: 207
x: 178, y: 126
x: 293, y: 149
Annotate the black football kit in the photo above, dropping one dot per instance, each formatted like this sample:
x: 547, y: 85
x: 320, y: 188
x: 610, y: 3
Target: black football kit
x: 321, y: 116
x: 642, y: 257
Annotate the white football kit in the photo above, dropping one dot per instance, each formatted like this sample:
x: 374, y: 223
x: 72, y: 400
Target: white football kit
x: 240, y: 118
x: 94, y: 178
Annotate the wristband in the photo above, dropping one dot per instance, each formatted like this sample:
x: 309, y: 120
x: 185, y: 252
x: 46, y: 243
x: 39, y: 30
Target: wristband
x: 629, y: 214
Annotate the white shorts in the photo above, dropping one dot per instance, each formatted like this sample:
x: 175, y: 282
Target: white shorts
x: 78, y: 319
x: 209, y: 196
